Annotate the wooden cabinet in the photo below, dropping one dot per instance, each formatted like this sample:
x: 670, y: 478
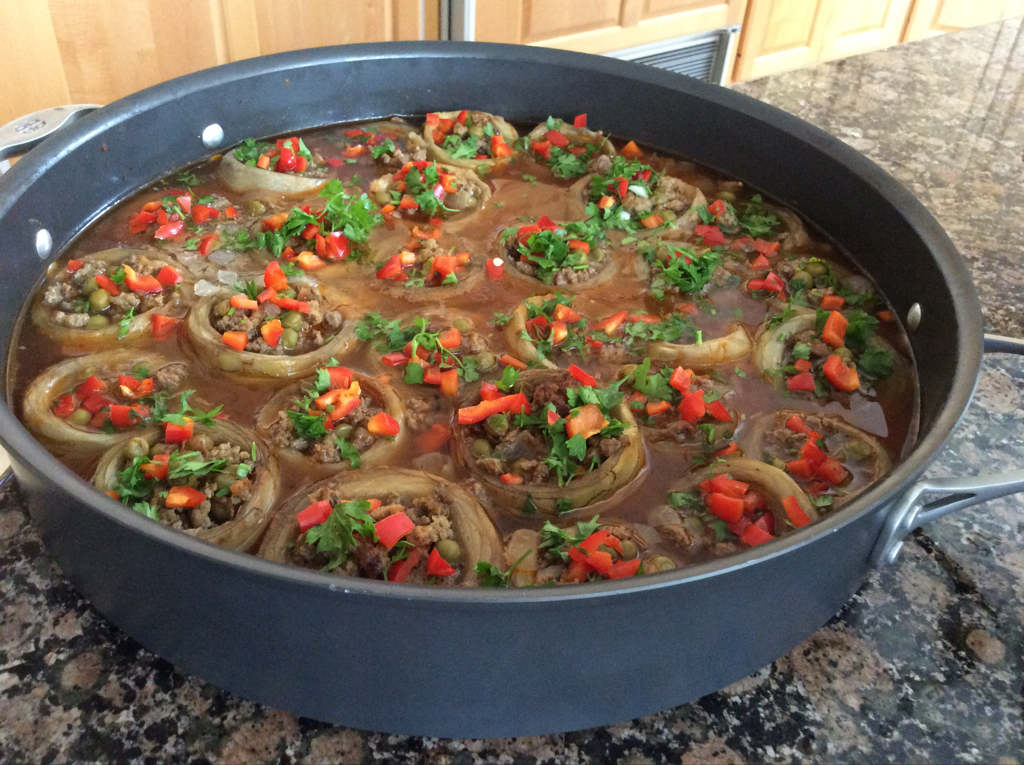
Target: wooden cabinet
x: 780, y: 35
x: 600, y: 26
x: 934, y: 17
x: 95, y: 51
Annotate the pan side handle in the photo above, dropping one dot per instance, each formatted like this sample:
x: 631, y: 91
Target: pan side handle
x: 929, y: 500
x: 22, y: 134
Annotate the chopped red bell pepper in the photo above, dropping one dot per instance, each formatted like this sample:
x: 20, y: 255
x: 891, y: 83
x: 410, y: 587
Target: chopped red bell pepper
x: 243, y: 302
x: 399, y: 572
x: 512, y: 361
x: 178, y: 434
x: 834, y: 332
x: 106, y: 283
x: 169, y: 230
x: 623, y: 569
x: 802, y: 365
x: 90, y: 385
x: 761, y: 263
x: 765, y: 248
x: 207, y: 243
x: 611, y: 324
x: 184, y: 496
x: 157, y: 468
x: 384, y: 425
x: 489, y: 392
x: 314, y: 515
x: 732, y: 448
x: 578, y: 374
x: 511, y: 478
x: 729, y: 509
x: 438, y: 566
x: 832, y: 302
x: 654, y: 408
x: 392, y: 268
x: 65, y: 406
x: 391, y: 529
x: 631, y: 150
x: 514, y: 404
x: 754, y: 535
x: 340, y: 377
x: 717, y: 410
x: 556, y: 139
x: 681, y: 379
x: 722, y: 484
x: 802, y: 382
x: 842, y: 377
x: 236, y: 339
x: 692, y: 407
x: 711, y: 235
x: 74, y: 265
x: 801, y: 468
x: 579, y: 121
x: 794, y: 512
x: 272, y: 331
x: 831, y: 471
x: 148, y: 285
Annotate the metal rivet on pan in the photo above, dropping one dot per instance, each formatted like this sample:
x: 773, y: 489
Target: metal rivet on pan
x: 213, y: 136
x: 44, y: 243
x: 914, y: 317
x: 894, y: 552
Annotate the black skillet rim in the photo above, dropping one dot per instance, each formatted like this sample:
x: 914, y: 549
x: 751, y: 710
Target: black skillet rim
x: 32, y: 456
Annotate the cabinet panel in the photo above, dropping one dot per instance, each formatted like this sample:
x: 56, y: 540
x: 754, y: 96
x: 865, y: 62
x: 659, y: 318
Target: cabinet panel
x: 33, y: 77
x: 865, y: 26
x: 544, y: 19
x: 779, y: 35
x: 933, y: 17
x: 604, y: 26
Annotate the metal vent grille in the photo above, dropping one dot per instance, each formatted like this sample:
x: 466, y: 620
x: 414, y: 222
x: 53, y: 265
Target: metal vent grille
x: 704, y: 56
x: 696, y: 61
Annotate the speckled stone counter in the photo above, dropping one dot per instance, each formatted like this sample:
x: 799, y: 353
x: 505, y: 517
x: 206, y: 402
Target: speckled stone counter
x: 925, y: 663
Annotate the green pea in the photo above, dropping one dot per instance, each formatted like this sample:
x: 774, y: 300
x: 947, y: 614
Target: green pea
x: 780, y: 464
x: 99, y: 300
x: 610, y: 550
x: 845, y: 354
x: 815, y: 269
x: 803, y: 276
x: 486, y: 360
x: 222, y: 308
x: 343, y: 431
x: 200, y: 442
x: 289, y: 338
x: 90, y: 286
x: 727, y: 196
x: 521, y: 466
x: 81, y: 418
x: 660, y: 563
x: 477, y: 131
x: 98, y: 322
x: 255, y: 207
x: 497, y: 424
x: 286, y: 294
x: 449, y: 550
x: 628, y: 549
x: 292, y: 320
x: 667, y: 215
x: 229, y: 362
x: 856, y: 450
x: 462, y: 325
x: 136, y: 447
x: 480, y: 448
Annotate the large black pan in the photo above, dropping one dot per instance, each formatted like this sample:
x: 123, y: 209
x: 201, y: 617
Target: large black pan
x: 482, y: 662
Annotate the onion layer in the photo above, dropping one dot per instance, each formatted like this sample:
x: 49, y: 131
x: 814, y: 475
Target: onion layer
x: 473, y: 529
x: 441, y: 154
x: 612, y: 475
x: 875, y: 463
x: 138, y: 328
x: 377, y: 454
x: 212, y: 350
x: 242, y: 532
x: 727, y: 349
x: 61, y: 378
x: 241, y: 177
x: 770, y: 347
x: 771, y: 482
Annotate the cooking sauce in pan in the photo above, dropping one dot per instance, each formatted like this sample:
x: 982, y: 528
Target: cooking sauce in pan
x: 522, y: 190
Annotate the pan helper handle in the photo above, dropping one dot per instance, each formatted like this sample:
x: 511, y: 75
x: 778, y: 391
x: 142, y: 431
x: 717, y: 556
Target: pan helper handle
x: 22, y: 134
x: 931, y: 499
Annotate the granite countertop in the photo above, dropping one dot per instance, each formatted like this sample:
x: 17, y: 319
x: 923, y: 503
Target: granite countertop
x: 924, y: 664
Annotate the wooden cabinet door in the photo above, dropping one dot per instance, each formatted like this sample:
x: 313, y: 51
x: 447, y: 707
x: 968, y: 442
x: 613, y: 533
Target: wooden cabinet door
x: 934, y: 17
x: 56, y: 52
x: 863, y: 25
x: 779, y: 35
x: 600, y: 26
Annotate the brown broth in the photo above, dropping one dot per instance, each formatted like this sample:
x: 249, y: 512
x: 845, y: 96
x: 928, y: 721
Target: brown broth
x: 892, y: 421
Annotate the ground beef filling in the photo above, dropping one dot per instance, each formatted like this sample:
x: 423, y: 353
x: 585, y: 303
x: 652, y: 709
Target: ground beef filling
x: 303, y: 333
x: 351, y: 428
x: 77, y: 301
x: 499, y: 447
x: 215, y: 510
x: 782, y: 445
x: 369, y: 559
